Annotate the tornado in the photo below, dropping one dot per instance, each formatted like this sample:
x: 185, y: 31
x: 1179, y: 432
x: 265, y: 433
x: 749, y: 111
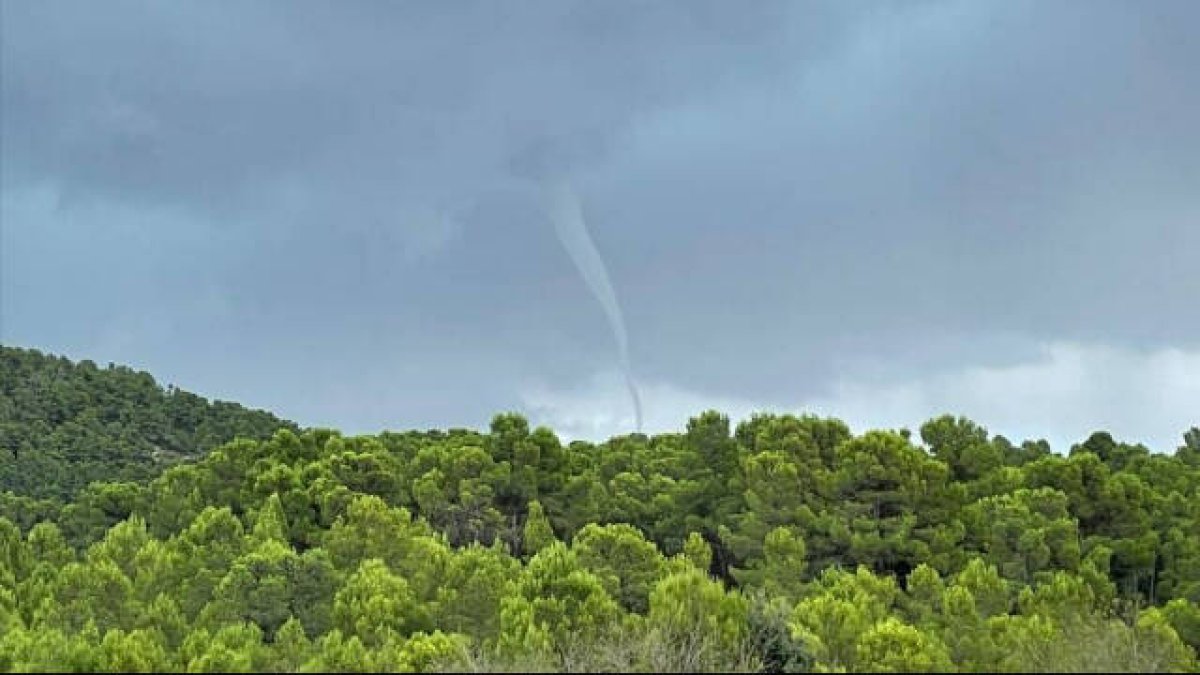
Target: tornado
x: 562, y: 204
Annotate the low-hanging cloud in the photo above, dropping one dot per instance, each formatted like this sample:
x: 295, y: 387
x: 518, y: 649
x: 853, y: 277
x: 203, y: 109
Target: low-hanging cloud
x: 1063, y: 395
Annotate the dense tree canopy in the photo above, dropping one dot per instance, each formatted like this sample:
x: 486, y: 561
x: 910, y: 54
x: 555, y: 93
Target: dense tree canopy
x: 786, y: 544
x: 64, y: 425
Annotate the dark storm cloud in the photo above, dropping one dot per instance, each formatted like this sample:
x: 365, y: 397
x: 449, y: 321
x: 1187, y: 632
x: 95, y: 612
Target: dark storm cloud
x: 326, y: 207
x: 197, y: 103
x: 961, y: 180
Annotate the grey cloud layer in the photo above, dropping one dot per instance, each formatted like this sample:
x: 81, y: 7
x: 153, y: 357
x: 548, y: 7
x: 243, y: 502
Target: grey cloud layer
x: 784, y: 191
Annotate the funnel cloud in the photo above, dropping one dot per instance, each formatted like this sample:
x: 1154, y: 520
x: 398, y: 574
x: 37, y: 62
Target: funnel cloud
x: 563, y: 206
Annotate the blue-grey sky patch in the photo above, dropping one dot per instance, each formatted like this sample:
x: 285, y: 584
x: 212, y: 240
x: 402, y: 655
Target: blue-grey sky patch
x: 330, y: 209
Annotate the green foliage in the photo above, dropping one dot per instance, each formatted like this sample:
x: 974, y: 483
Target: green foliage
x: 625, y: 562
x: 140, y: 651
x: 698, y: 552
x: 788, y: 544
x: 64, y: 425
x: 375, y: 605
x: 963, y: 446
x: 694, y: 614
x: 1184, y: 617
x: 234, y: 648
x: 553, y: 602
x: 475, y: 582
x: 1025, y: 532
x: 925, y: 593
x: 770, y: 639
x: 841, y: 608
x: 537, y: 534
x: 269, y: 584
x: 781, y: 569
x: 890, y: 646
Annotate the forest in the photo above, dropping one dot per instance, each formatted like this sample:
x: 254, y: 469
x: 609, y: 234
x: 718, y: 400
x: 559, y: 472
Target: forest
x: 144, y: 529
x: 64, y: 425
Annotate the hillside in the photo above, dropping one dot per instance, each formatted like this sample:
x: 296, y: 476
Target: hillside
x: 65, y: 424
x: 784, y: 544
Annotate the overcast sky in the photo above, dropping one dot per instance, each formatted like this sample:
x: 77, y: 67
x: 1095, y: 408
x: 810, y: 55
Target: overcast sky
x: 876, y: 211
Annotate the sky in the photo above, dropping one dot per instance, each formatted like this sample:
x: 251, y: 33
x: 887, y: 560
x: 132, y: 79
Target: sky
x: 881, y: 212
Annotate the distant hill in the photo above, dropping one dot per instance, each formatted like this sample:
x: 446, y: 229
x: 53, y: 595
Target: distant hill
x: 65, y: 424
